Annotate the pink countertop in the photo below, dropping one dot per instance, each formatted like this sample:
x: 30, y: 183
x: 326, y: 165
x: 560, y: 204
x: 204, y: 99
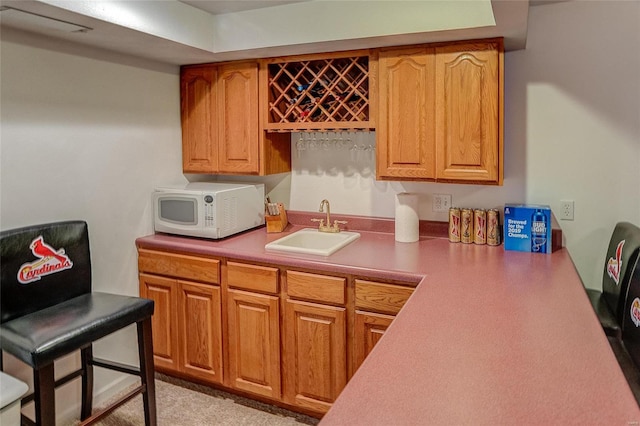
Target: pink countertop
x: 488, y: 337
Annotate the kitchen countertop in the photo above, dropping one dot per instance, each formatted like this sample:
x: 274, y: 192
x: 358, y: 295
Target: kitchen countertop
x: 488, y: 337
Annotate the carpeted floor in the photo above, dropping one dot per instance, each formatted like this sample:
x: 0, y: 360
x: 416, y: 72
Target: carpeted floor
x: 182, y: 403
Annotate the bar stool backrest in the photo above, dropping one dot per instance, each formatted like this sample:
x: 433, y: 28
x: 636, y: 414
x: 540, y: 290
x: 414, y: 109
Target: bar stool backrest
x: 618, y: 266
x: 631, y: 314
x: 42, y: 266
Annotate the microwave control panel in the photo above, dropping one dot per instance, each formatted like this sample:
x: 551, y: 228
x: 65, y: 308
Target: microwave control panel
x: 209, y: 212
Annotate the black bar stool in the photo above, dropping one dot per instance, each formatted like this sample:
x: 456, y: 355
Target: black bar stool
x: 48, y: 310
x: 627, y: 349
x: 618, y: 266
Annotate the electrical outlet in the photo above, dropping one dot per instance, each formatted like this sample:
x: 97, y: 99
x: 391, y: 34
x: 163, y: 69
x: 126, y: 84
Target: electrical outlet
x: 441, y: 202
x: 566, y: 209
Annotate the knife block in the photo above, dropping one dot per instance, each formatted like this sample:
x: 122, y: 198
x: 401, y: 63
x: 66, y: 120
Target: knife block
x: 277, y: 223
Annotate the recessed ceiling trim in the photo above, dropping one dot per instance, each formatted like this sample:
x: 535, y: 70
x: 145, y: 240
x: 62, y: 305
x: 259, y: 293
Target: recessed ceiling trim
x: 21, y: 18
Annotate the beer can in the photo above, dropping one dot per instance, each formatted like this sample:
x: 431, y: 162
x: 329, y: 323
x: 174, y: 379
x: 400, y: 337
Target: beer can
x: 479, y: 226
x: 466, y: 226
x: 493, y: 227
x: 454, y: 225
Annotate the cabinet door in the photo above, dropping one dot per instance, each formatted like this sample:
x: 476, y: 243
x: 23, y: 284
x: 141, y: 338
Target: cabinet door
x: 238, y: 114
x: 406, y: 135
x: 315, y: 354
x: 201, y: 331
x: 198, y: 112
x: 468, y: 94
x: 254, y: 342
x: 369, y: 328
x: 164, y: 322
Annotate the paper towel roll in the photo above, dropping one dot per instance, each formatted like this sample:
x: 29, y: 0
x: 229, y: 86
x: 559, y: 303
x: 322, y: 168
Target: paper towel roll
x: 407, y: 221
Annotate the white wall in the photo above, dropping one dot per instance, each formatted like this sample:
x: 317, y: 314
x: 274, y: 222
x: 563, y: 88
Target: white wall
x: 87, y: 135
x: 572, y: 131
x: 577, y: 99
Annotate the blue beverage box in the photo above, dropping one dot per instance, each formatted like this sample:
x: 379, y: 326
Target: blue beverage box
x: 527, y: 227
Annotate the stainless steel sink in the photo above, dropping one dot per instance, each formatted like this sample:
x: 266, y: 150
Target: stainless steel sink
x: 311, y: 241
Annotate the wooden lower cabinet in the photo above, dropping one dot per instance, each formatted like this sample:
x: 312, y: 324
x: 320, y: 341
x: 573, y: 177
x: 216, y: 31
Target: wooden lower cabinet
x: 368, y: 329
x: 253, y: 324
x: 187, y: 320
x: 376, y: 306
x: 164, y: 322
x: 187, y: 327
x: 294, y: 342
x: 314, y: 354
x: 201, y: 331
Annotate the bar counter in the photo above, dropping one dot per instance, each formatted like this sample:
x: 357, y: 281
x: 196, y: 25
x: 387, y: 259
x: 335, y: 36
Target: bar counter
x: 488, y: 337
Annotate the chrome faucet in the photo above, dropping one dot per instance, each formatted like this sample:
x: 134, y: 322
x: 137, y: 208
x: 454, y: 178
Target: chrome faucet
x: 326, y: 226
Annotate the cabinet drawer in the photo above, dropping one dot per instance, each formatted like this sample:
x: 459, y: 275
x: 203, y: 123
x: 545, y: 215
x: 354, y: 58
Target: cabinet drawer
x: 182, y: 266
x: 379, y: 297
x: 321, y: 288
x: 252, y: 277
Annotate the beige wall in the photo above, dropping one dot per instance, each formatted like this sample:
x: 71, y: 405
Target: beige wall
x: 87, y: 136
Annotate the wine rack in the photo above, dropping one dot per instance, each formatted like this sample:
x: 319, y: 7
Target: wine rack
x: 319, y: 94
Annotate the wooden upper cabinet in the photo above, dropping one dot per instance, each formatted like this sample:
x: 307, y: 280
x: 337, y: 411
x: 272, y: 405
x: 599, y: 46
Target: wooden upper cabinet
x: 197, y: 105
x: 469, y: 99
x: 238, y: 115
x: 406, y: 136
x: 441, y: 112
x: 221, y: 132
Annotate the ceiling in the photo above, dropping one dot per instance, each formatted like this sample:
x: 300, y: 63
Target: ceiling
x: 226, y: 6
x: 198, y: 31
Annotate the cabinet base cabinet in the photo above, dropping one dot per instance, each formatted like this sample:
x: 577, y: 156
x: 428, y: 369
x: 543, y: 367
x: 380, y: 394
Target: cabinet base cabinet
x: 201, y: 331
x: 369, y: 328
x: 164, y: 322
x: 314, y: 354
x: 291, y: 338
x: 254, y: 343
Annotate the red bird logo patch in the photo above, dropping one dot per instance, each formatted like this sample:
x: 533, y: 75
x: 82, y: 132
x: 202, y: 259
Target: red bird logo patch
x: 49, y: 262
x: 614, y: 266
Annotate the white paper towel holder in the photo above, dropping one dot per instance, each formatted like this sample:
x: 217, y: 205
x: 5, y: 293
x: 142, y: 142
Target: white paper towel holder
x: 407, y: 220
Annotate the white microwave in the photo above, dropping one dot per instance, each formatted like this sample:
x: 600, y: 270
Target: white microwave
x: 208, y: 210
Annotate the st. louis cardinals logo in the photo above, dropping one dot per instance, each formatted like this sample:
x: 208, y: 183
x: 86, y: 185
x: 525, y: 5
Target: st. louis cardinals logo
x: 614, y: 266
x: 49, y: 262
x: 635, y: 312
